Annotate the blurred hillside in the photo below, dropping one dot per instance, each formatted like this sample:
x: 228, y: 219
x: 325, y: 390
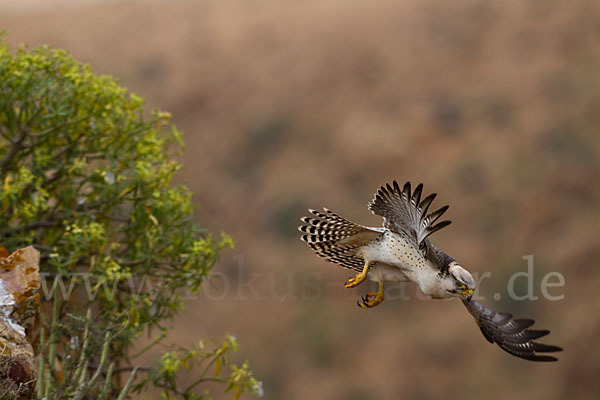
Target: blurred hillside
x: 495, y: 105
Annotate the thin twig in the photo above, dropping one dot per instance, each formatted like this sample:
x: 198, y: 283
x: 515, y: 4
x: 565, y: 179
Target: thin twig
x: 31, y: 226
x: 52, y: 348
x: 204, y: 379
x: 85, y: 387
x: 15, y: 146
x: 133, y: 262
x: 132, y: 367
x: 40, y: 380
x: 108, y: 381
x: 86, y: 336
x: 127, y: 385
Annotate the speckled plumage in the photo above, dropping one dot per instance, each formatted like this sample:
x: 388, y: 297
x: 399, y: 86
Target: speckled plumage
x: 401, y: 251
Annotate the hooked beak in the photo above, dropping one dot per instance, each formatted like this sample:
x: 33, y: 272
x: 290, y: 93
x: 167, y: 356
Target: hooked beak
x: 468, y: 293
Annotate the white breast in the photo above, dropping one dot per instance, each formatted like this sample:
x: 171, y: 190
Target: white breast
x: 399, y: 260
x: 393, y: 249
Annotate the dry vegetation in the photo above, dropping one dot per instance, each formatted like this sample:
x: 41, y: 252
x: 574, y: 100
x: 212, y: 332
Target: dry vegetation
x: 287, y: 105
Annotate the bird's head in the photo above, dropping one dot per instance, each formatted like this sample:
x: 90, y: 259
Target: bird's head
x: 456, y: 281
x: 459, y: 282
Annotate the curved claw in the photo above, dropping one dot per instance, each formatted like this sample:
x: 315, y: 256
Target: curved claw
x: 371, y: 300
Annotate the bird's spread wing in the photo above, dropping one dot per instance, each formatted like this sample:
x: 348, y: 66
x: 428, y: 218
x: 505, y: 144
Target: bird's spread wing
x: 511, y: 334
x: 335, y: 238
x: 405, y: 211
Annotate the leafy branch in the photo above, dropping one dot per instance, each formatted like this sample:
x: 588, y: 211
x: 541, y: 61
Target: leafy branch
x: 85, y: 176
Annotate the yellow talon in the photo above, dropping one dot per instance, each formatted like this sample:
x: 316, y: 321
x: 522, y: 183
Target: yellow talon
x: 358, y: 278
x: 372, y: 299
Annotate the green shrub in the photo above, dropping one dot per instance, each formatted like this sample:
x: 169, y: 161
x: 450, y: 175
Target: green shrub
x: 85, y: 177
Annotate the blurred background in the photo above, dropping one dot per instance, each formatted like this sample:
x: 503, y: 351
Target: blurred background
x: 285, y: 105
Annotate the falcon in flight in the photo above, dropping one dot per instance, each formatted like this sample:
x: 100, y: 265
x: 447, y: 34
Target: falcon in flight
x: 401, y: 251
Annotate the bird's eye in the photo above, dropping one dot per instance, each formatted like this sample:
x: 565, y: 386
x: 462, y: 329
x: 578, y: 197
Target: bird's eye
x: 460, y: 285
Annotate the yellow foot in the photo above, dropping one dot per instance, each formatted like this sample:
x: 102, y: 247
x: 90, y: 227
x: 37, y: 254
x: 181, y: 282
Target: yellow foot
x: 358, y: 278
x: 371, y: 300
x: 355, y: 280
